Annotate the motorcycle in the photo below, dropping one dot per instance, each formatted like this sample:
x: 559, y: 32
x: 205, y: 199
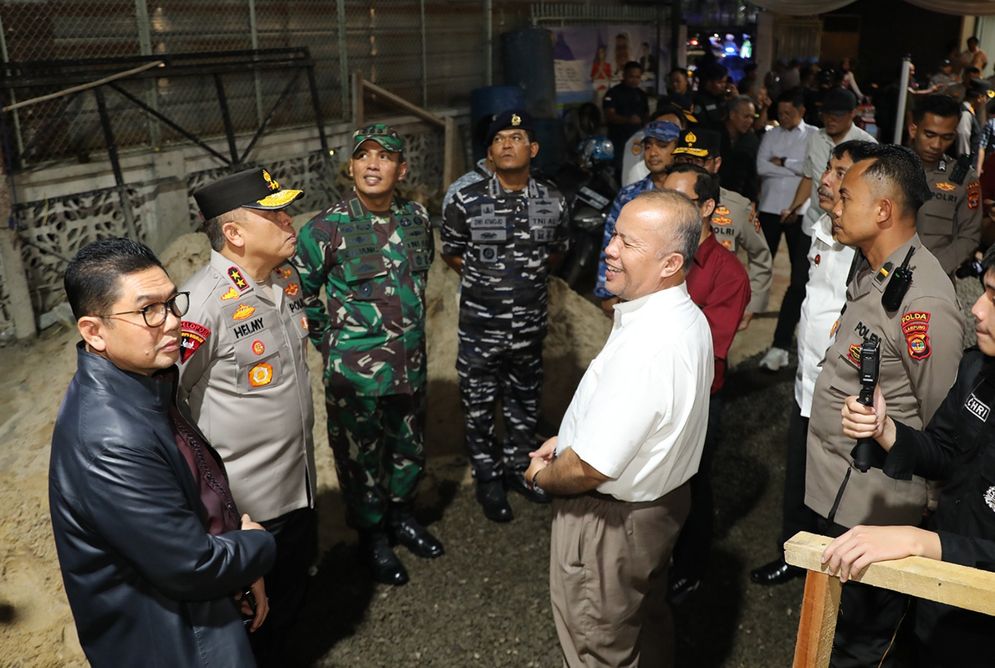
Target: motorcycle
x: 589, y: 186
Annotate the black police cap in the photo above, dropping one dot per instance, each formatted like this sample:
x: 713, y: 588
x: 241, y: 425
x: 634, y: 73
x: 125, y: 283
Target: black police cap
x: 251, y: 189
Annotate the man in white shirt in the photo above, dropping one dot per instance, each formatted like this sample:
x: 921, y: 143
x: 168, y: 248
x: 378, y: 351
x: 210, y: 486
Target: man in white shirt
x: 628, y: 444
x: 837, y: 113
x: 825, y: 294
x: 780, y: 164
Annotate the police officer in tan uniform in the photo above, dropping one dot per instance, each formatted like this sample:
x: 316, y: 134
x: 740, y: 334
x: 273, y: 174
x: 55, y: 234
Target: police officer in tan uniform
x: 949, y: 222
x: 243, y: 372
x: 920, y: 347
x: 734, y: 222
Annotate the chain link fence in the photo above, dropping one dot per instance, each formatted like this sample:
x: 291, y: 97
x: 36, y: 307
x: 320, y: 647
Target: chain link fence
x: 431, y: 52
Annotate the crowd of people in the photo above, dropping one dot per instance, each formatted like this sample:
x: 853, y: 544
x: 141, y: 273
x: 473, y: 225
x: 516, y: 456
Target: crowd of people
x: 182, y: 481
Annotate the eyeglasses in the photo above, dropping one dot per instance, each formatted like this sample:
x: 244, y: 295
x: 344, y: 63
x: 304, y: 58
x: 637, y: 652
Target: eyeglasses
x: 155, y: 314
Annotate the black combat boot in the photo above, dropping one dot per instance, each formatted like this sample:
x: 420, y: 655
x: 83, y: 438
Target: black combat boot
x: 383, y: 563
x: 494, y: 500
x: 407, y: 531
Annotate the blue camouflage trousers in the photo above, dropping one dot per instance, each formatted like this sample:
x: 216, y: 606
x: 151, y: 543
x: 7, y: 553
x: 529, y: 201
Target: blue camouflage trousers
x: 492, y: 368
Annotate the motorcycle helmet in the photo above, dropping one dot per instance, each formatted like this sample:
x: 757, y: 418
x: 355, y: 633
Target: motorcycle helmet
x: 595, y: 150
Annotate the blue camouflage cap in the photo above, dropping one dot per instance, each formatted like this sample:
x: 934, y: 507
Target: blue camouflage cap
x: 664, y: 131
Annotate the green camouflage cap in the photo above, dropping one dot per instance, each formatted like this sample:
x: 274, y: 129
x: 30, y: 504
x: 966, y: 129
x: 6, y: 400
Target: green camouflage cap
x: 382, y: 134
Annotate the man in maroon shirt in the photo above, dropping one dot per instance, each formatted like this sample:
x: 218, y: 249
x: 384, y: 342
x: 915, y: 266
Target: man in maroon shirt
x: 718, y: 284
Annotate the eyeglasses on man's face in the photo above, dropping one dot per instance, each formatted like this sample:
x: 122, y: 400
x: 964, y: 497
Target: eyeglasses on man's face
x: 155, y: 314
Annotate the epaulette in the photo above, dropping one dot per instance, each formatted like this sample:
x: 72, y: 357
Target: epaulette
x: 961, y: 169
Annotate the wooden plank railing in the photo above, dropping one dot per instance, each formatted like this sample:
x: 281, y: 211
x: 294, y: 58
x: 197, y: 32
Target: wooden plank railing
x: 955, y: 585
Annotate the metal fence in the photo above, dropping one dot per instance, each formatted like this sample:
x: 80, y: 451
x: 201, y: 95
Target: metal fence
x: 432, y: 52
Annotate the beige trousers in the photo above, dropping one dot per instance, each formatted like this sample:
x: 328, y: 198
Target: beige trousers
x: 608, y: 564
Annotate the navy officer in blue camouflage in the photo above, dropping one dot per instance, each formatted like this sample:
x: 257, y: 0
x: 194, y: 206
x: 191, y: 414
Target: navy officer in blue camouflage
x: 502, y: 235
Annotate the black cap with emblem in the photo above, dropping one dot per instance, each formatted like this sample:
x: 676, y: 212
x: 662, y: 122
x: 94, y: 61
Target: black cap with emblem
x: 515, y: 119
x: 251, y: 189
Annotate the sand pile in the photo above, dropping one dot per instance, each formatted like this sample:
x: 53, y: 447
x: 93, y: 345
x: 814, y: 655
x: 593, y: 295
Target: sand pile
x: 36, y: 627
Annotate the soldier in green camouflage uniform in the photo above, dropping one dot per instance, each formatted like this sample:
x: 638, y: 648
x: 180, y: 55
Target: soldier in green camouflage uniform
x: 371, y: 253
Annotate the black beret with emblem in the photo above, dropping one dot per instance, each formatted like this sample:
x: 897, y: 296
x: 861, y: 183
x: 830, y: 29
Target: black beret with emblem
x: 251, y: 189
x: 516, y: 119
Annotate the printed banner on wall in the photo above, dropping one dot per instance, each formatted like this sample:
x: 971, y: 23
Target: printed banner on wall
x: 588, y: 60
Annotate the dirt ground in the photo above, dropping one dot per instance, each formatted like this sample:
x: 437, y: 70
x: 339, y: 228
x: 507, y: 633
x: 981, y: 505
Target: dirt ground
x: 485, y: 603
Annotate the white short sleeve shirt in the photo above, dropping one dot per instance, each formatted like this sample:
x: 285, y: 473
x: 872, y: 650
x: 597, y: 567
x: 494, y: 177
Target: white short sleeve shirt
x: 640, y: 412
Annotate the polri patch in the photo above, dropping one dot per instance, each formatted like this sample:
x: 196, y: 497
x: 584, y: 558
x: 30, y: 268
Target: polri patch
x: 292, y: 289
x: 232, y: 293
x: 915, y: 327
x: 192, y: 336
x: 235, y: 274
x: 946, y: 186
x: 973, y: 195
x: 261, y: 374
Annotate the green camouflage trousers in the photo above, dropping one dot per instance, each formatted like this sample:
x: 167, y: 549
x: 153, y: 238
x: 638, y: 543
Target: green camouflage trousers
x: 378, y: 447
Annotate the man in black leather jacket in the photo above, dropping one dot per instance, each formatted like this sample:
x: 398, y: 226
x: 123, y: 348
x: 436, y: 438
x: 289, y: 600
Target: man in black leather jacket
x: 958, y: 447
x: 150, y: 544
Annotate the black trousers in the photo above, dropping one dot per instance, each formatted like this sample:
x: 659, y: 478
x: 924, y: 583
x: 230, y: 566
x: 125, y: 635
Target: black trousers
x: 694, y: 546
x: 798, y: 247
x: 796, y: 516
x: 296, y: 535
x: 868, y: 620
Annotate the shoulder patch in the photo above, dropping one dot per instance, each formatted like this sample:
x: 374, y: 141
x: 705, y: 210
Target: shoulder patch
x: 722, y: 210
x: 637, y: 148
x: 973, y: 195
x: 292, y: 289
x: 284, y: 272
x: 235, y: 274
x: 231, y: 293
x: 946, y: 186
x: 915, y: 327
x: 192, y: 336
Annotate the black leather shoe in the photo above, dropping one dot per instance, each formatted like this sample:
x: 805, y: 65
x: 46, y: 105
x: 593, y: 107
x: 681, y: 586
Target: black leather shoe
x: 383, y: 563
x: 775, y: 573
x: 681, y: 588
x: 492, y: 497
x: 408, y: 532
x: 516, y: 483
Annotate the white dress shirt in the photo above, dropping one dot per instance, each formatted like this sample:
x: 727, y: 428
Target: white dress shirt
x: 640, y: 412
x: 779, y: 184
x: 825, y: 293
x: 820, y: 147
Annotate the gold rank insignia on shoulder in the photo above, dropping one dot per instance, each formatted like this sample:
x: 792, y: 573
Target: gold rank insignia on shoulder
x: 516, y: 120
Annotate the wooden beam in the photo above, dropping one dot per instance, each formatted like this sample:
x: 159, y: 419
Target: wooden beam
x: 959, y: 586
x: 817, y: 625
x: 399, y: 101
x: 82, y: 87
x: 357, y: 99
